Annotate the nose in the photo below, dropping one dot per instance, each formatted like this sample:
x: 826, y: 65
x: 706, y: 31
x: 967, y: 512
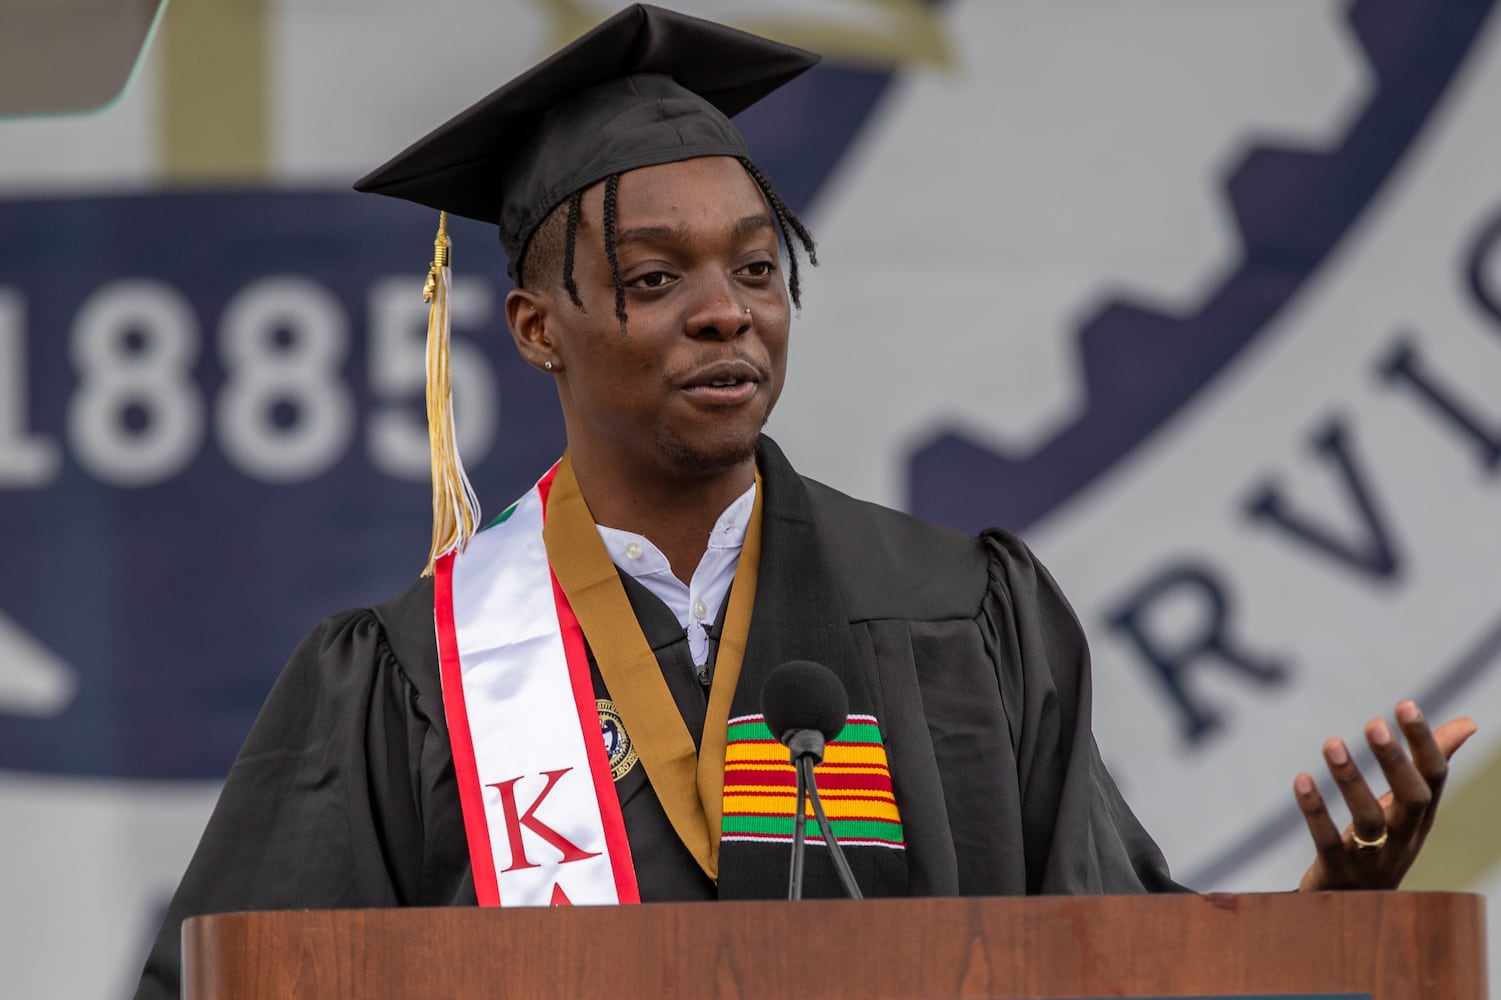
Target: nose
x: 718, y: 314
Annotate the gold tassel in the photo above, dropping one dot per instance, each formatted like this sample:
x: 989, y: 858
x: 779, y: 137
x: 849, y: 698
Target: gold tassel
x: 456, y: 509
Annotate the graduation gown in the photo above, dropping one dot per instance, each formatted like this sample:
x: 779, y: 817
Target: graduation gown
x: 344, y: 794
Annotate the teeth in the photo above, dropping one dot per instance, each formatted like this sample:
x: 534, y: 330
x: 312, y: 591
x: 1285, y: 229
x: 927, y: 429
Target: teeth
x: 723, y: 383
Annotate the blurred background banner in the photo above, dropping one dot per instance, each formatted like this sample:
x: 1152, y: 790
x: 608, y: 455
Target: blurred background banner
x: 1202, y: 299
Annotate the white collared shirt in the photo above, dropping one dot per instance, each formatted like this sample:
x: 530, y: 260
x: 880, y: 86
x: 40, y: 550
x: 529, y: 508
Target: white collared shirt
x: 696, y: 603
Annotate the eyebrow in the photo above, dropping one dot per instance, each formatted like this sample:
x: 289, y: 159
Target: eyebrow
x: 679, y: 234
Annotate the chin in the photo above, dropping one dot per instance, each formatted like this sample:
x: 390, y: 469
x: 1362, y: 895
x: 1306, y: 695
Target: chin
x: 705, y: 457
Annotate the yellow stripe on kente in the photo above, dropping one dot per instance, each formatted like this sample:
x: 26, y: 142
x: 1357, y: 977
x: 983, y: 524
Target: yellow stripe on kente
x: 776, y: 756
x: 788, y: 790
x: 781, y: 805
x: 837, y: 754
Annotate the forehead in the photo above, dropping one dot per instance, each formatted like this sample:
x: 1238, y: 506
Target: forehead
x: 701, y: 191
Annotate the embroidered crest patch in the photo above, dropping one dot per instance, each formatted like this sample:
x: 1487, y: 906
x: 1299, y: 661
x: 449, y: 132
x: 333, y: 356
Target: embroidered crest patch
x: 618, y: 744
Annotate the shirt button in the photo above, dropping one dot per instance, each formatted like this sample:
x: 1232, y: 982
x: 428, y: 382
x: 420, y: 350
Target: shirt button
x: 700, y: 611
x: 633, y: 550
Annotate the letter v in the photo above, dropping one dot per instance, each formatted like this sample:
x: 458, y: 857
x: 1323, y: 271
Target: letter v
x: 1374, y: 555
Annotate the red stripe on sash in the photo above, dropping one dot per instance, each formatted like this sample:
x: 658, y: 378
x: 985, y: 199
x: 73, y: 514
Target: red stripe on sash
x: 466, y: 772
x: 577, y: 656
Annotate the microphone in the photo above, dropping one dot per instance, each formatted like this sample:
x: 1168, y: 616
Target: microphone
x: 805, y: 706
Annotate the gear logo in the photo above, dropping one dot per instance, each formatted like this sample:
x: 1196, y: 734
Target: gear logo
x: 1073, y: 245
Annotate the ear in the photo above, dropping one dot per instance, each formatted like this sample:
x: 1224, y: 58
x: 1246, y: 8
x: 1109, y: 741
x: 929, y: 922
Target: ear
x: 531, y: 317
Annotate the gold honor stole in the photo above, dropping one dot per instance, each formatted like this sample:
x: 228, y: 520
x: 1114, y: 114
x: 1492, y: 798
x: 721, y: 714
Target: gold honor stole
x: 541, y: 814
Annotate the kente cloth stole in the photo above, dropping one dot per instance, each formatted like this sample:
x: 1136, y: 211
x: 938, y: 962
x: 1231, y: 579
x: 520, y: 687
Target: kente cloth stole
x: 760, y: 787
x: 541, y: 815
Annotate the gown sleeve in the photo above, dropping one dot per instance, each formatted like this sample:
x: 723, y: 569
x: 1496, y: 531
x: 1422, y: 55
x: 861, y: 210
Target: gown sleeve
x: 1079, y: 835
x: 343, y: 796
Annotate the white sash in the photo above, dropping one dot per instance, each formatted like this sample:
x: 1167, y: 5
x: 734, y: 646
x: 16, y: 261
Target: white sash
x: 540, y: 809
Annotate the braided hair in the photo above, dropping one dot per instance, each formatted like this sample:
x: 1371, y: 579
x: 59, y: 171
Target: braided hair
x: 570, y: 241
x: 612, y: 189
x: 789, y: 224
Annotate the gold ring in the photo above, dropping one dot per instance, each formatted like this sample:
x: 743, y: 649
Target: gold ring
x: 1370, y: 845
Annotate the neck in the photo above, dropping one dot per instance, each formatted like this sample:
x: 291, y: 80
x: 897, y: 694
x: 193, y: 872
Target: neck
x: 676, y: 513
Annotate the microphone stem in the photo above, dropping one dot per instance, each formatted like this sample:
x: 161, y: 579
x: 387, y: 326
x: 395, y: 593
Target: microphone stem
x: 835, y: 851
x: 799, y: 832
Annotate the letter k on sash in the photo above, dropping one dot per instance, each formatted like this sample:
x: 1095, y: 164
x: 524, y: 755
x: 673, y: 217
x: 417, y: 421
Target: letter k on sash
x: 515, y: 820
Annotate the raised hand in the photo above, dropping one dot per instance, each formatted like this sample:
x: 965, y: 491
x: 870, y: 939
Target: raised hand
x: 1386, y: 834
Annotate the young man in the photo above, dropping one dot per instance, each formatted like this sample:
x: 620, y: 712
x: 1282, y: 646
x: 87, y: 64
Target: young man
x: 659, y: 573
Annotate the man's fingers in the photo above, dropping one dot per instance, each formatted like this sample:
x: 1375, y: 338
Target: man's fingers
x: 1326, y: 836
x: 1387, y: 832
x: 1366, y: 815
x: 1411, y: 793
x: 1431, y: 750
x: 1453, y: 734
x: 1430, y: 758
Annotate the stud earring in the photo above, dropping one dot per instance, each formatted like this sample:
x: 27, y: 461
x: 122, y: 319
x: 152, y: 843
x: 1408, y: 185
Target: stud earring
x: 547, y: 365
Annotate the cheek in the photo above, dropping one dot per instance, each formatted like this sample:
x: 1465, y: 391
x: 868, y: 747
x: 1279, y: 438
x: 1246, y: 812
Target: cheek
x: 620, y: 371
x: 776, y: 345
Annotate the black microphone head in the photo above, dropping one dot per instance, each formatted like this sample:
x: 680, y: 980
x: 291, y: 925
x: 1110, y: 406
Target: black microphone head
x: 801, y: 694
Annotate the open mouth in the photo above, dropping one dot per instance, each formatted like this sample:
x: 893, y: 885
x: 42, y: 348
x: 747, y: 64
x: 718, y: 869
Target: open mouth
x: 727, y: 381
x: 723, y: 385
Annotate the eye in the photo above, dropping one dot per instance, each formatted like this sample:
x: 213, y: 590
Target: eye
x: 759, y: 269
x: 651, y: 279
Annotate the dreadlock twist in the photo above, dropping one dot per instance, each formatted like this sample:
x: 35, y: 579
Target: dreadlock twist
x: 612, y: 188
x: 575, y: 205
x: 786, y: 220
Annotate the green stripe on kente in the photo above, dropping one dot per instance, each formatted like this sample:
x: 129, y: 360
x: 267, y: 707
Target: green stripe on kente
x: 739, y: 731
x: 855, y: 732
x: 874, y: 829
x: 503, y: 516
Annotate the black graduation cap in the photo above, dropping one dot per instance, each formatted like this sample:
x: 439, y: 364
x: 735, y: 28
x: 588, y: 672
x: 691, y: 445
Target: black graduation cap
x: 647, y: 86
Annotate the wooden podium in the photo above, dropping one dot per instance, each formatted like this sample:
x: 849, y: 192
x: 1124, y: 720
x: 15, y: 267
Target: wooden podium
x: 1386, y: 945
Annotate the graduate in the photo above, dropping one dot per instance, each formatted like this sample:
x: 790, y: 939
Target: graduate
x: 567, y: 708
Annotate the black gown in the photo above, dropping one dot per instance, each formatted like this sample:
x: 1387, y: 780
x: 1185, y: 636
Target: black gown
x: 344, y: 793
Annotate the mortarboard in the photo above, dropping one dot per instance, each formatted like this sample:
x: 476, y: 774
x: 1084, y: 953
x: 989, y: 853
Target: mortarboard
x: 647, y: 86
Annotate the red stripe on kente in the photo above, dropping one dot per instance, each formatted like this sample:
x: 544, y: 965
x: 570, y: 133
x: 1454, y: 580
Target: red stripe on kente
x: 836, y: 820
x: 871, y: 780
x: 878, y: 780
x: 471, y: 797
x: 858, y: 795
x: 621, y: 865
